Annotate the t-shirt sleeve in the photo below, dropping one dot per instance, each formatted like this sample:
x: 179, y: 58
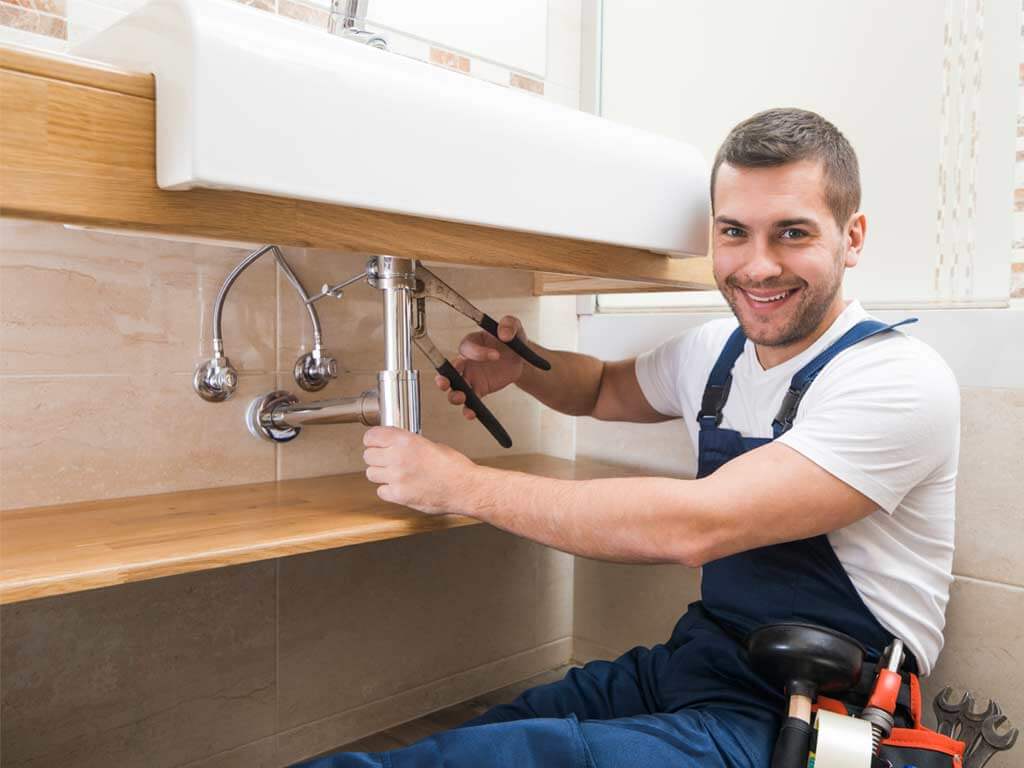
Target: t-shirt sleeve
x: 882, y: 423
x: 657, y: 372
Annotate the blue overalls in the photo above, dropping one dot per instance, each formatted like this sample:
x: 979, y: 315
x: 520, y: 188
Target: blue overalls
x: 693, y: 701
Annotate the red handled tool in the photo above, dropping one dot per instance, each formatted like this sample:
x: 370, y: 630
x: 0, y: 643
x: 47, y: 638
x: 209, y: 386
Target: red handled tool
x: 881, y: 707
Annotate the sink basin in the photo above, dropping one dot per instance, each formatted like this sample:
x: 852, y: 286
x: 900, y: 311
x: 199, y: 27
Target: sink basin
x: 249, y: 101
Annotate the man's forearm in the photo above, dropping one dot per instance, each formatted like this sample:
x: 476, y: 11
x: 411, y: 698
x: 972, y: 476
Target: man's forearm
x: 628, y: 520
x: 571, y: 386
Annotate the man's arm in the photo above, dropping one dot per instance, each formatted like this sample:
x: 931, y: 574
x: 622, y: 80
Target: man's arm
x: 577, y: 385
x: 766, y: 496
x: 581, y: 385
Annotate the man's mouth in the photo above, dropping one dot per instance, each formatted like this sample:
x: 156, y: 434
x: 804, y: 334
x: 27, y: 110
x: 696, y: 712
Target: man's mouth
x: 760, y: 299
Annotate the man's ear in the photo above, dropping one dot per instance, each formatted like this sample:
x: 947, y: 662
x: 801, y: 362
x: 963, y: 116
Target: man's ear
x: 856, y: 232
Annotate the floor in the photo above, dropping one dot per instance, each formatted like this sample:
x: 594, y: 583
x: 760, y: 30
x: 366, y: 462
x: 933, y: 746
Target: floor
x: 411, y: 732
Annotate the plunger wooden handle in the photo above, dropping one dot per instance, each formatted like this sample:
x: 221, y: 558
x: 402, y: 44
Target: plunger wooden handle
x: 800, y: 707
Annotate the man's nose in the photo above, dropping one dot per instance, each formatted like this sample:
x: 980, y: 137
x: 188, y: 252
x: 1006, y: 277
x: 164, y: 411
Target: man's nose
x: 762, y: 264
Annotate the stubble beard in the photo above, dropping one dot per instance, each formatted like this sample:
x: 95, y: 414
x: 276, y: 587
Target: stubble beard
x: 813, y: 304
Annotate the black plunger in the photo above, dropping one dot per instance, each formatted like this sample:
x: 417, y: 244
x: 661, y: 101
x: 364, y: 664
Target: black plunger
x: 804, y: 659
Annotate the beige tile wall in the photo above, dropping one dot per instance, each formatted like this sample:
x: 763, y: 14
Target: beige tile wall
x: 148, y: 674
x: 262, y: 664
x: 100, y: 334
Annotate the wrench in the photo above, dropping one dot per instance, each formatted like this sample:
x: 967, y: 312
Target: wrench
x: 997, y: 735
x: 971, y: 722
x: 948, y: 708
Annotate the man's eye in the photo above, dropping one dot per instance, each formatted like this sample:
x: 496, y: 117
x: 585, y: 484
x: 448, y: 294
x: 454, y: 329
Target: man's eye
x: 733, y: 232
x: 793, y: 234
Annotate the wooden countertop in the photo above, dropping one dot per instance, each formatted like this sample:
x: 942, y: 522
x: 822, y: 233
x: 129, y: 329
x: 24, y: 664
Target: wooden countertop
x: 77, y: 145
x: 73, y: 547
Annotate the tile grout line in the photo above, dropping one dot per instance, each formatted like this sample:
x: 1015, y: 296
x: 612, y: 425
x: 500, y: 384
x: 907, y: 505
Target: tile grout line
x: 989, y: 582
x: 432, y: 684
x: 277, y: 652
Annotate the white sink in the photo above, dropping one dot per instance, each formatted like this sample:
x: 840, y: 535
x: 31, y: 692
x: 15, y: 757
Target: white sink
x: 249, y: 101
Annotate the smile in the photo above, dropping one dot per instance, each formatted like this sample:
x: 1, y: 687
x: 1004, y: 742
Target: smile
x: 768, y: 298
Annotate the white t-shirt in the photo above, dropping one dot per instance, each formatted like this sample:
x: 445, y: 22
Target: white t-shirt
x: 883, y: 417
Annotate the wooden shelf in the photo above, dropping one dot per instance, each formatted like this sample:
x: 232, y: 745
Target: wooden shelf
x: 546, y: 284
x: 67, y: 548
x: 77, y: 145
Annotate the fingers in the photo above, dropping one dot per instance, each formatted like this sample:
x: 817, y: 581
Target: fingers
x: 376, y: 475
x: 375, y: 457
x: 381, y: 437
x: 473, y: 347
x: 454, y: 396
x: 509, y: 327
x: 442, y: 382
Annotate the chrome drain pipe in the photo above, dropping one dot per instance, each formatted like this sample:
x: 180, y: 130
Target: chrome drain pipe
x: 279, y: 416
x: 398, y: 385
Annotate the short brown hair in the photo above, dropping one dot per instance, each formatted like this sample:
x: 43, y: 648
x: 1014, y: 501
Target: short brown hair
x: 779, y: 136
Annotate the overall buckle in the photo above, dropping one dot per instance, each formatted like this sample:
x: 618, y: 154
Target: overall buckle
x: 715, y: 397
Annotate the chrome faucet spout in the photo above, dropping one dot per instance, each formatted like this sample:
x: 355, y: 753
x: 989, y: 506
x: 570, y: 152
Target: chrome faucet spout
x: 351, y: 14
x: 348, y: 19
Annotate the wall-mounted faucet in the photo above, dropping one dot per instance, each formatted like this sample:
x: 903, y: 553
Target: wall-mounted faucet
x: 279, y: 416
x: 348, y: 19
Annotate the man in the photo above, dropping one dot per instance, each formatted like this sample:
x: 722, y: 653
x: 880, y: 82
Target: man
x: 827, y: 450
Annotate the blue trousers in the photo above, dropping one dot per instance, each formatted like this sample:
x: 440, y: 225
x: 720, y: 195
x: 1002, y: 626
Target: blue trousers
x: 690, y: 702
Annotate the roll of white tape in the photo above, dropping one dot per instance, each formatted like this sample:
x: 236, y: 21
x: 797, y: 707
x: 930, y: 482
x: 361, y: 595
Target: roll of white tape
x: 843, y: 742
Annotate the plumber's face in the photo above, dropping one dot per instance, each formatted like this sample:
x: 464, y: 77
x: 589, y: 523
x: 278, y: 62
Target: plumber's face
x: 779, y: 255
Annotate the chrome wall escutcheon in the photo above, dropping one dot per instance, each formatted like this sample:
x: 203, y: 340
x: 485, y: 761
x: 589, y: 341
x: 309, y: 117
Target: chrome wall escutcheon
x: 259, y: 417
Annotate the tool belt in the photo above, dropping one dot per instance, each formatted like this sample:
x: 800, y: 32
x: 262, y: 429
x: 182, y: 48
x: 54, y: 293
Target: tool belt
x: 910, y: 743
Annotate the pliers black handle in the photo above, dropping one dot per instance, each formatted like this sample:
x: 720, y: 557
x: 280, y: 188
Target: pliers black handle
x: 444, y: 367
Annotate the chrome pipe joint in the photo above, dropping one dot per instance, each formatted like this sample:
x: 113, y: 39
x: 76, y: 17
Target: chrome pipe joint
x: 215, y: 380
x: 314, y: 370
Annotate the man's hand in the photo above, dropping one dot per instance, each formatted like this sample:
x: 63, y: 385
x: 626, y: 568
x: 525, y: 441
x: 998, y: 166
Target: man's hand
x: 485, y: 363
x: 416, y: 472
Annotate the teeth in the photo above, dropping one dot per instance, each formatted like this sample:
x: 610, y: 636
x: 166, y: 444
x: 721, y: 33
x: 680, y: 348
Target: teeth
x: 769, y: 299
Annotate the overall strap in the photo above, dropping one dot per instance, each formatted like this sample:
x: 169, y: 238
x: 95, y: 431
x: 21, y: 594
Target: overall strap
x: 803, y: 378
x: 717, y: 390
